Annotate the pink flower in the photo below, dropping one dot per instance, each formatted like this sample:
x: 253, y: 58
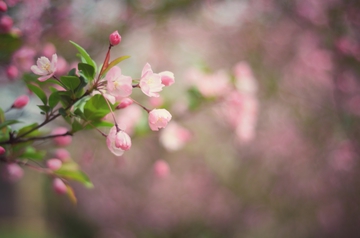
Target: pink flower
x: 158, y: 118
x: 12, y: 72
x: 3, y: 6
x: 122, y: 140
x: 14, y: 172
x: 54, y: 164
x: 20, y: 102
x: 6, y: 24
x: 118, y: 85
x: 23, y: 58
x: 61, y: 140
x: 125, y: 102
x: 62, y: 154
x: 161, y: 168
x: 167, y: 78
x: 2, y: 150
x: 174, y: 136
x: 59, y: 186
x: 114, y: 38
x: 150, y: 83
x: 44, y: 67
x: 110, y: 141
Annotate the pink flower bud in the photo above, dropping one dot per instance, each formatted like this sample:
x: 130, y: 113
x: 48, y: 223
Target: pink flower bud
x: 54, y: 164
x: 158, y: 118
x: 167, y: 78
x: 59, y: 186
x: 6, y: 24
x: 114, y: 38
x: 110, y: 142
x: 62, y: 154
x: 61, y: 140
x: 122, y: 140
x: 125, y: 102
x: 2, y: 150
x: 12, y: 72
x: 161, y: 169
x: 14, y: 172
x: 20, y: 102
x: 3, y: 6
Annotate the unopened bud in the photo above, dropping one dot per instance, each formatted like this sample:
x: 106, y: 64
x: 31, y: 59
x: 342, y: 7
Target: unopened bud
x: 14, y: 172
x: 124, y: 103
x: 114, y: 38
x: 161, y: 169
x: 3, y: 6
x: 12, y: 72
x: 59, y: 186
x: 54, y: 164
x: 20, y: 102
x: 6, y: 24
x: 2, y: 150
x: 61, y: 140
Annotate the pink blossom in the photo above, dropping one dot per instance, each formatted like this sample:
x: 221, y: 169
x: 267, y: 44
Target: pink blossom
x: 161, y: 169
x: 158, y: 118
x: 167, y: 78
x: 21, y: 102
x: 14, y: 172
x: 244, y: 79
x: 150, y: 83
x: 61, y: 140
x: 48, y: 50
x: 111, y: 144
x: 12, y: 72
x: 174, y: 136
x: 62, y: 66
x: 125, y: 102
x: 59, y: 186
x: 45, y: 68
x: 118, y: 85
x: 6, y: 24
x: 122, y: 140
x: 3, y: 6
x: 23, y: 58
x: 54, y: 164
x: 128, y: 117
x: 62, y: 154
x: 156, y: 102
x: 106, y: 95
x: 114, y: 38
x: 2, y: 150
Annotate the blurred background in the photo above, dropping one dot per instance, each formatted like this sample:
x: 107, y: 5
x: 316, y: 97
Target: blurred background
x: 265, y: 135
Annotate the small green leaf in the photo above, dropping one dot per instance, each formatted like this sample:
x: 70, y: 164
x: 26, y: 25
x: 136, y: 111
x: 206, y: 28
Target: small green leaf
x: 71, y: 172
x: 55, y: 82
x: 62, y: 112
x: 8, y: 122
x: 31, y: 153
x: 84, y: 55
x: 54, y: 99
x: 44, y: 108
x: 70, y: 82
x: 87, y: 70
x: 76, y: 126
x: 115, y: 62
x: 96, y: 108
x: 39, y: 92
x: 2, y: 116
x: 28, y: 128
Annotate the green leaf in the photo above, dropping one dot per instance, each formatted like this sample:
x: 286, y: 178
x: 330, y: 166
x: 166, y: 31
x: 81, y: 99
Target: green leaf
x: 115, y: 62
x: 28, y: 128
x: 70, y: 171
x: 8, y: 122
x: 55, y: 82
x: 31, y: 153
x: 76, y: 126
x: 98, y: 124
x: 84, y: 55
x: 96, y: 108
x: 2, y: 116
x: 87, y: 70
x: 39, y: 92
x: 70, y: 82
x: 44, y: 108
x: 54, y: 99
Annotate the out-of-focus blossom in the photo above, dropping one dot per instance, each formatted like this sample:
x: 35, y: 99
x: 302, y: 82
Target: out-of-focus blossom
x: 62, y: 66
x: 158, y: 118
x: 59, y: 186
x: 123, y: 140
x: 54, y: 164
x: 12, y: 72
x: 209, y: 85
x: 23, y: 58
x: 114, y: 38
x: 62, y: 154
x: 174, y: 136
x: 6, y: 24
x: 150, y: 83
x: 48, y: 50
x: 167, y: 78
x: 61, y: 140
x: 161, y: 169
x: 2, y: 150
x: 3, y: 6
x: 156, y: 102
x: 343, y: 157
x: 111, y: 142
x: 13, y: 172
x: 21, y: 102
x: 244, y: 79
x: 125, y: 102
x: 128, y: 117
x: 118, y: 85
x: 44, y: 67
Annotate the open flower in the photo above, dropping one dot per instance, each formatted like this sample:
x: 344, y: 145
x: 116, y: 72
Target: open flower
x: 44, y: 67
x: 150, y: 83
x: 118, y: 85
x: 158, y: 118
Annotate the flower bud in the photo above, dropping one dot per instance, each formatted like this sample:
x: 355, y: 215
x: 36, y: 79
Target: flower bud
x: 54, y: 164
x: 62, y: 154
x: 59, y: 186
x: 61, y: 140
x: 167, y: 78
x: 125, y: 102
x: 20, y: 102
x: 2, y: 150
x: 6, y: 24
x: 114, y: 38
x: 158, y: 118
x: 122, y: 140
x: 14, y: 172
x: 161, y: 169
x: 3, y: 6
x: 12, y: 72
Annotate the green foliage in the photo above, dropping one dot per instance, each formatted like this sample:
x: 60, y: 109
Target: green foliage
x: 115, y: 62
x: 31, y: 153
x: 8, y: 44
x: 96, y: 108
x: 84, y: 56
x: 87, y: 70
x: 71, y: 171
x: 38, y: 92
